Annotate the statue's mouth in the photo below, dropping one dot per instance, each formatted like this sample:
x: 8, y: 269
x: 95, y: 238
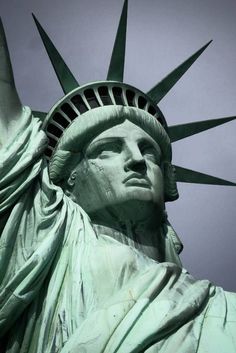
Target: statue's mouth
x: 136, y: 179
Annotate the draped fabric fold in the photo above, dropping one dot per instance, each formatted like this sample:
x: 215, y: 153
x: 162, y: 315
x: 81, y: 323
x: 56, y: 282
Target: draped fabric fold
x: 64, y: 287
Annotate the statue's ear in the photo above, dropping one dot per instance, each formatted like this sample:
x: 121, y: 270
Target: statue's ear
x: 72, y: 178
x: 171, y: 191
x: 69, y: 186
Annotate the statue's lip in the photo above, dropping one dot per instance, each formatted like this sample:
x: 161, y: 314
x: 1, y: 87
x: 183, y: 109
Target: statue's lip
x: 136, y: 179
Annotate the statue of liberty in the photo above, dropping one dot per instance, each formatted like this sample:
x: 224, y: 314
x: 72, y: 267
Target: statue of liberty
x: 88, y: 259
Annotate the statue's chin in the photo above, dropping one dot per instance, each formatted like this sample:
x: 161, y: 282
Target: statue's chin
x: 134, y: 203
x: 134, y: 210
x: 139, y: 193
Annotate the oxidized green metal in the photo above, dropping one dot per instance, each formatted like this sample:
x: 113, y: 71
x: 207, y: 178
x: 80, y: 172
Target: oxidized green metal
x: 64, y: 75
x: 179, y: 132
x: 162, y: 88
x: 65, y: 111
x: 116, y: 68
x: 88, y: 259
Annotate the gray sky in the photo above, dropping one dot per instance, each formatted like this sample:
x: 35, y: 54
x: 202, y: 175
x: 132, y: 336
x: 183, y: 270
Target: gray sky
x: 161, y: 34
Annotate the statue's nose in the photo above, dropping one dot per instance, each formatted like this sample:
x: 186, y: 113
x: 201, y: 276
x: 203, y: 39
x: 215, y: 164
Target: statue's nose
x: 136, y: 162
x: 139, y: 167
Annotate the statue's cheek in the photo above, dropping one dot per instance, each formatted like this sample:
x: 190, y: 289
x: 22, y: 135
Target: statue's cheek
x: 99, y: 184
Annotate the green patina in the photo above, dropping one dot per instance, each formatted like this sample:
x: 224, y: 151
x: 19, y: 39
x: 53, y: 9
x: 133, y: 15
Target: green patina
x: 88, y: 259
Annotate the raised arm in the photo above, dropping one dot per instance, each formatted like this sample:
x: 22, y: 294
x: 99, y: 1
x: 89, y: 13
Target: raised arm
x: 10, y: 105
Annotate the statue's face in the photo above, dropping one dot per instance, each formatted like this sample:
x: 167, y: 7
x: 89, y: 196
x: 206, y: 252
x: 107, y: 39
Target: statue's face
x: 120, y: 172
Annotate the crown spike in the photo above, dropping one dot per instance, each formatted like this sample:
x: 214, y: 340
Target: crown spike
x: 10, y: 105
x: 190, y: 176
x: 6, y: 68
x: 116, y: 68
x: 165, y: 85
x: 64, y: 75
x: 179, y: 132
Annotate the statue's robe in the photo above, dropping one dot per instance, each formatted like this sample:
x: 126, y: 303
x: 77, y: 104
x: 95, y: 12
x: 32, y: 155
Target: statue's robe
x: 67, y: 287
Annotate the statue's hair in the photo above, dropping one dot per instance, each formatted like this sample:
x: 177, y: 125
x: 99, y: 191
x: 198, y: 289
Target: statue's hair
x: 82, y: 130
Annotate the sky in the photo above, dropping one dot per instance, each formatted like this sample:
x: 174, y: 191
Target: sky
x: 161, y: 34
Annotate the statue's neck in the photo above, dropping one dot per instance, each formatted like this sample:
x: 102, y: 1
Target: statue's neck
x: 147, y: 240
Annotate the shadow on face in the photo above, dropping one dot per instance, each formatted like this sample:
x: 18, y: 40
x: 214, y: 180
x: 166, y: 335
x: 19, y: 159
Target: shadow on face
x: 120, y: 175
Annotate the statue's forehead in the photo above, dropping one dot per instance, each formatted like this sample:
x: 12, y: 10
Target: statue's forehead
x: 124, y: 130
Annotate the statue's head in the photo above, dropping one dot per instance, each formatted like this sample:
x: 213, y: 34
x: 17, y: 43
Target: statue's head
x: 108, y: 144
x: 90, y: 112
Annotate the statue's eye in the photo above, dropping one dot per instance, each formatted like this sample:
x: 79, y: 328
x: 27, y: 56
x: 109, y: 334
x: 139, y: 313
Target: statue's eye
x: 105, y: 149
x: 150, y: 151
x: 108, y: 149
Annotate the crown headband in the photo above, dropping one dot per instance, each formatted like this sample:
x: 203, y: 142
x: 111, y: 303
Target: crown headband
x: 90, y: 96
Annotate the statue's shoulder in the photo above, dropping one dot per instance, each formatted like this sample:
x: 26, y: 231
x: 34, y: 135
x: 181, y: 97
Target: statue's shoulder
x: 222, y: 305
x: 231, y: 302
x: 218, y: 332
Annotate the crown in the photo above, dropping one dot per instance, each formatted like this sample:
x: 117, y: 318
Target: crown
x: 113, y: 91
x: 91, y: 96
